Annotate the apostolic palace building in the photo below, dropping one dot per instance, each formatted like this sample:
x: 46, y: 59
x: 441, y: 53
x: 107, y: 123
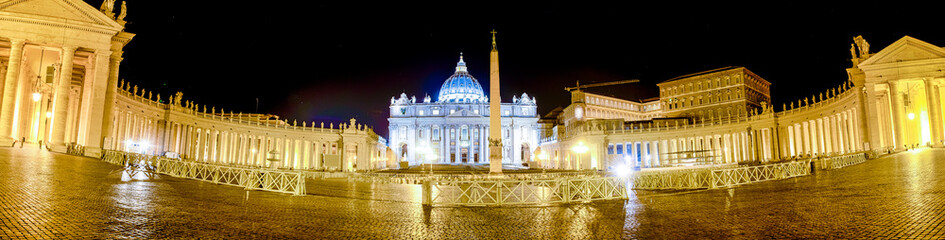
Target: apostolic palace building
x: 59, y: 65
x: 890, y: 101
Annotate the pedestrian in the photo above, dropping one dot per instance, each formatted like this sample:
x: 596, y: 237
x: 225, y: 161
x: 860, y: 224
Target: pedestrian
x: 22, y: 140
x: 40, y: 144
x: 14, y: 143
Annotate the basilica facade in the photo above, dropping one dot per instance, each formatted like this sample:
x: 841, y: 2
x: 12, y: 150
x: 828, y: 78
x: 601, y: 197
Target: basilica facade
x: 454, y: 128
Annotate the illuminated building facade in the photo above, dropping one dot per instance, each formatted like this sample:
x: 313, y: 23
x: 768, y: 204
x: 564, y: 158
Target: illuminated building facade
x: 59, y: 62
x: 890, y: 101
x: 454, y: 129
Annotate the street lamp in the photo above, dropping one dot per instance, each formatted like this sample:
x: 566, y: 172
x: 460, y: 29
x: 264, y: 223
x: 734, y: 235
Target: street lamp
x: 37, y: 96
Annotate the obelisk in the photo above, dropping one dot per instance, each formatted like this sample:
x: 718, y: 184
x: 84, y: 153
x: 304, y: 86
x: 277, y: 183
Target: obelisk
x: 495, y: 111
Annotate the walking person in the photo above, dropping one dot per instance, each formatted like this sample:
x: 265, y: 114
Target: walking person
x: 22, y: 140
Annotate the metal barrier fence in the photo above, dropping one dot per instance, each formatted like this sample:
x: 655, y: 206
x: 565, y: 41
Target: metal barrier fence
x: 75, y: 149
x: 418, y: 178
x: 292, y: 182
x: 324, y: 175
x: 719, y: 177
x: 744, y: 175
x: 844, y: 161
x: 504, y: 191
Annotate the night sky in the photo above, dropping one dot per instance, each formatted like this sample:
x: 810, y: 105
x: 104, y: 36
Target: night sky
x: 333, y: 61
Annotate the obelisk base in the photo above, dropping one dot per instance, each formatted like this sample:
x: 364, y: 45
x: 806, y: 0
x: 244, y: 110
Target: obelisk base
x: 495, y: 159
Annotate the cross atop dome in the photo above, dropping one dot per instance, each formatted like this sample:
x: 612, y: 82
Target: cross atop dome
x: 461, y: 65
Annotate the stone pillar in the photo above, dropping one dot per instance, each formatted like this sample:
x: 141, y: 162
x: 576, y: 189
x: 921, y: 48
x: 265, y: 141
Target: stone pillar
x: 898, y: 120
x: 935, y: 112
x: 9, y: 91
x: 937, y: 97
x: 457, y: 154
x: 61, y: 102
x: 834, y: 134
x: 851, y: 130
x: 446, y: 143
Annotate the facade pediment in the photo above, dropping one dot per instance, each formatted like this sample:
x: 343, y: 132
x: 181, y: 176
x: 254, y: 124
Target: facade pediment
x: 69, y: 12
x: 903, y: 50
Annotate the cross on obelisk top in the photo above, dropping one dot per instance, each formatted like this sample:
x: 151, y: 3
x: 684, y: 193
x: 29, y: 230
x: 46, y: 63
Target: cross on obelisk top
x: 493, y: 38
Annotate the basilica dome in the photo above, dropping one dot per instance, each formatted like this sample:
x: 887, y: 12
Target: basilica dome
x: 461, y: 87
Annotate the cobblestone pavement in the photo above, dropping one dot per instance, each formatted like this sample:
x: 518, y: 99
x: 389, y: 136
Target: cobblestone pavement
x: 45, y: 196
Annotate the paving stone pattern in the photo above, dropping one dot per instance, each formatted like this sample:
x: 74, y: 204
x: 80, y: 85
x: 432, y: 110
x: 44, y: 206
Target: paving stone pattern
x: 54, y: 196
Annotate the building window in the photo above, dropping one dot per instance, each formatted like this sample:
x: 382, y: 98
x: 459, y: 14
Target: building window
x: 420, y: 112
x: 436, y: 112
x: 403, y: 132
x: 619, y: 148
x: 436, y: 133
x: 452, y: 111
x: 465, y: 133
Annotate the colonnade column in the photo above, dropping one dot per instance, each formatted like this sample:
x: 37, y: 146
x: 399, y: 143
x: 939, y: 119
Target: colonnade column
x: 898, y: 112
x: 935, y: 112
x: 9, y: 90
x: 62, y: 99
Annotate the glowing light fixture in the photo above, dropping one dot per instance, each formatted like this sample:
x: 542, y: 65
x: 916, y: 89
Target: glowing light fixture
x: 622, y: 171
x: 911, y: 116
x: 579, y: 148
x: 48, y: 114
x: 37, y: 96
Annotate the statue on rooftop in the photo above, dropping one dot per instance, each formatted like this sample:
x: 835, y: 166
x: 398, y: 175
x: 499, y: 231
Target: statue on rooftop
x: 863, y: 45
x: 108, y: 6
x: 124, y: 11
x: 853, y: 50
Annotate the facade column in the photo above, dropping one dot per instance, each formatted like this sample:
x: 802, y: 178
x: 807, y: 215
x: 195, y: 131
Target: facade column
x: 935, y: 112
x: 445, y: 131
x: 457, y: 139
x: 898, y: 120
x: 9, y: 91
x: 834, y: 134
x: 937, y: 98
x: 851, y: 131
x: 61, y: 102
x: 842, y: 133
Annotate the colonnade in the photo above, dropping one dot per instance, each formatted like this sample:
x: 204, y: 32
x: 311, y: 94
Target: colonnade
x: 144, y: 125
x: 827, y: 135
